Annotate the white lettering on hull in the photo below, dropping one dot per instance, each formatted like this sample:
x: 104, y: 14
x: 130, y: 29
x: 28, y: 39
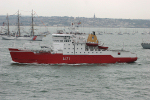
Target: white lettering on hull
x: 66, y: 58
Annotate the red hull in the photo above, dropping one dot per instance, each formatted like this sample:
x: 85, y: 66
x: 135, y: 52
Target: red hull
x: 48, y: 58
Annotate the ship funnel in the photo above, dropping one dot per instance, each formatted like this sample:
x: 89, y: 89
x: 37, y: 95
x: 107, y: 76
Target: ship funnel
x: 93, y: 32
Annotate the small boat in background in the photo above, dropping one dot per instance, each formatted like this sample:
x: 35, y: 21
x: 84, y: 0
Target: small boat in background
x: 143, y: 33
x: 146, y: 44
x: 100, y: 33
x: 120, y: 33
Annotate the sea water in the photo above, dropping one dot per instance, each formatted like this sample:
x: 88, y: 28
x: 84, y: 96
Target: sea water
x: 119, y: 81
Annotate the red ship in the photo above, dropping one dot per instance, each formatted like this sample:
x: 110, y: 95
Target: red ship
x: 72, y: 49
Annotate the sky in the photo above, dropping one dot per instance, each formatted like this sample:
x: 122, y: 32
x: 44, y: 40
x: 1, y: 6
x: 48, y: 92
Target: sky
x: 125, y: 9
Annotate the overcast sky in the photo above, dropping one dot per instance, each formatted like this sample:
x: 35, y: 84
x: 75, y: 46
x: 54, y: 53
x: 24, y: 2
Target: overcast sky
x: 133, y: 9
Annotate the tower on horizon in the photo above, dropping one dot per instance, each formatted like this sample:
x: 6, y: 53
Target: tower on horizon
x: 94, y: 15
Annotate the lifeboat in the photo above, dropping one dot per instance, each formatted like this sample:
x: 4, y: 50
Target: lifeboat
x: 102, y: 47
x: 91, y: 44
x: 13, y: 49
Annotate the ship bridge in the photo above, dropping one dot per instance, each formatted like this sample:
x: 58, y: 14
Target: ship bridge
x: 59, y: 40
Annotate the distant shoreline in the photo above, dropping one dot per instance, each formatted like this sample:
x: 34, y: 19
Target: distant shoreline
x: 78, y: 27
x: 57, y: 21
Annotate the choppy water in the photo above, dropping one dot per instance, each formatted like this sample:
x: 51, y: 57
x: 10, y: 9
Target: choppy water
x: 78, y: 82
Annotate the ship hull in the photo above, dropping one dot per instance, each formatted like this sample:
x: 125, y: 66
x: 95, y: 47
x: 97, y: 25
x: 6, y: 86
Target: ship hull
x: 8, y: 38
x: 146, y: 45
x: 32, y: 38
x: 48, y: 58
x: 16, y: 38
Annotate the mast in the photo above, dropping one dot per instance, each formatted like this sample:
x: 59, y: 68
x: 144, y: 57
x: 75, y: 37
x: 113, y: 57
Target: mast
x: 32, y: 27
x: 18, y: 24
x: 8, y: 25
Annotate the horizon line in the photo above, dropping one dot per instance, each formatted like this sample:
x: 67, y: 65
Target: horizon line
x: 80, y: 17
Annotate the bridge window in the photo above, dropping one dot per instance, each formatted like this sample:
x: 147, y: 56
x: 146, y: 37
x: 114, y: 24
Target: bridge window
x: 66, y: 40
x: 55, y: 40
